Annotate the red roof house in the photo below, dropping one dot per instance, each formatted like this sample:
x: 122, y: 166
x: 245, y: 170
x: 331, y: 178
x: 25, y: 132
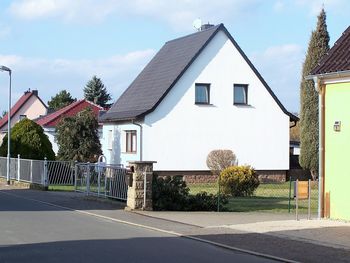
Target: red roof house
x: 29, y: 105
x: 51, y: 120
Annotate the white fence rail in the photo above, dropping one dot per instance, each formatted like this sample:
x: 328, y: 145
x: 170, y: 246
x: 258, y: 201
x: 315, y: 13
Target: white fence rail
x: 41, y: 172
x: 102, y: 180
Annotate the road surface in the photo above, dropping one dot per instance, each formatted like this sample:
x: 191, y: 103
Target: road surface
x: 32, y: 231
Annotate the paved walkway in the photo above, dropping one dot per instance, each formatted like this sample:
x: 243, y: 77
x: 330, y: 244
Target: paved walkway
x: 324, y: 232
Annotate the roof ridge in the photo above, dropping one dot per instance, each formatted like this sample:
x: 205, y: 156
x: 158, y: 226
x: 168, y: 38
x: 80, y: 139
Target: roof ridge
x: 192, y: 34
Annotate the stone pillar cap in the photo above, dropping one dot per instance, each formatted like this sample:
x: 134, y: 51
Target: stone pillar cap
x: 142, y: 162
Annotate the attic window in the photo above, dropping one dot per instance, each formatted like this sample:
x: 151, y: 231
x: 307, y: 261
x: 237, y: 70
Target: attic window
x: 202, y: 95
x: 240, y: 94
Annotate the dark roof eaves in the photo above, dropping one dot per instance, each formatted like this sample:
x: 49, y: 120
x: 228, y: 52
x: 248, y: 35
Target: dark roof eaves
x: 292, y: 116
x: 318, y: 70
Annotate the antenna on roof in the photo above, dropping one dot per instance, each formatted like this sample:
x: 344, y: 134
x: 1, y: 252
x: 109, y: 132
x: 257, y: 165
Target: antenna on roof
x: 197, y: 24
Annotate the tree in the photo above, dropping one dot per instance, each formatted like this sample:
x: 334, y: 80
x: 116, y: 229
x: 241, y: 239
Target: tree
x: 218, y: 160
x: 294, y: 133
x: 28, y: 140
x: 60, y: 100
x: 318, y: 47
x: 96, y: 92
x: 77, y: 137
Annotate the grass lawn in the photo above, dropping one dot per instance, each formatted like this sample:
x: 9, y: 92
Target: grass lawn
x: 61, y: 187
x: 273, y: 197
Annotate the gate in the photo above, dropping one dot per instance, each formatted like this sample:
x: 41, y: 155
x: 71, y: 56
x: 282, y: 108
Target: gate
x: 102, y: 180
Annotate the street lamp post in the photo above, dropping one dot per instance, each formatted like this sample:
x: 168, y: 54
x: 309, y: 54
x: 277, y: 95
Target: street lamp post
x: 3, y: 68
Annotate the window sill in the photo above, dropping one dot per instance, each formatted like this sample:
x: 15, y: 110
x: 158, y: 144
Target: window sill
x: 129, y: 152
x: 203, y: 104
x: 242, y: 105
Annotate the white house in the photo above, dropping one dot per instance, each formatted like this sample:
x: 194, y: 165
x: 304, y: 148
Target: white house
x: 199, y: 93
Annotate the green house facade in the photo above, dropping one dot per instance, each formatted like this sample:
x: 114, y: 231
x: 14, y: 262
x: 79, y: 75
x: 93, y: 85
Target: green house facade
x: 332, y: 80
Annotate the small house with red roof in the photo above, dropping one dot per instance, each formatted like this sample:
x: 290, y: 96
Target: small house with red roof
x: 50, y: 121
x: 28, y: 106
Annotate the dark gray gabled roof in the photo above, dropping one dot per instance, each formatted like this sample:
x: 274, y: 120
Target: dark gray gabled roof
x: 162, y: 73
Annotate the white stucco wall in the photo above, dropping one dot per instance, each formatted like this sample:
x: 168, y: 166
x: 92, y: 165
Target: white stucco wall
x: 116, y: 154
x: 179, y: 134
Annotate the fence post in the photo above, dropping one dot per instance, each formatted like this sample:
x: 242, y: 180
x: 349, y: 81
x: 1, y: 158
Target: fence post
x: 46, y: 181
x: 19, y: 167
x: 135, y: 199
x: 219, y: 193
x: 31, y: 171
x: 88, y: 179
x: 75, y: 174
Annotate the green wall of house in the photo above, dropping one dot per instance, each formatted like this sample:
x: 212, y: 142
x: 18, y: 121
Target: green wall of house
x: 337, y: 149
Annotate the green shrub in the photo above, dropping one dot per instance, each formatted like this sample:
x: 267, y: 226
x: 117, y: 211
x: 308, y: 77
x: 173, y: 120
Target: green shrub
x: 239, y: 181
x: 206, y: 202
x: 169, y: 193
x: 28, y: 140
x: 172, y: 194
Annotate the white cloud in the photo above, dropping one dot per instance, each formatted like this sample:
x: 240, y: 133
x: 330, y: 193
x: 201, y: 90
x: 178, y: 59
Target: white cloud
x: 50, y: 76
x: 178, y: 14
x: 281, y: 68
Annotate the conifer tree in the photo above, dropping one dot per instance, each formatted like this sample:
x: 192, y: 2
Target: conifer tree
x: 96, y: 92
x: 318, y: 47
x: 60, y: 100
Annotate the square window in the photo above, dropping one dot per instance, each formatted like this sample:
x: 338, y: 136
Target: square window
x: 240, y: 94
x: 202, y: 93
x: 131, y: 141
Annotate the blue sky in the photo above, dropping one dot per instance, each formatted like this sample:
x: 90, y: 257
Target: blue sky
x: 60, y: 44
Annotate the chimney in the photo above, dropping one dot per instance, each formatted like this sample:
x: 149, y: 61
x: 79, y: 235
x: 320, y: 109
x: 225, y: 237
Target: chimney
x: 35, y: 92
x: 206, y: 26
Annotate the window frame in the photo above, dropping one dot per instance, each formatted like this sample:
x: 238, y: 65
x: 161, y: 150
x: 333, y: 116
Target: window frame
x: 207, y: 86
x: 245, y: 86
x: 129, y: 135
x: 110, y: 140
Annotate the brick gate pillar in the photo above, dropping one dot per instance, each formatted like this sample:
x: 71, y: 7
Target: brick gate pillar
x: 141, y: 170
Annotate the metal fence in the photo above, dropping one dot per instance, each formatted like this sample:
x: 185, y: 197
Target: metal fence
x: 40, y: 172
x: 102, y: 180
x: 268, y: 197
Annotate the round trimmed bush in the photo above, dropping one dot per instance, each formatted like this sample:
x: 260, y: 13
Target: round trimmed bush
x: 28, y: 140
x: 239, y: 181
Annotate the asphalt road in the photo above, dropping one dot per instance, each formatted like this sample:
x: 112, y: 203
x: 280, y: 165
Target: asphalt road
x: 31, y: 231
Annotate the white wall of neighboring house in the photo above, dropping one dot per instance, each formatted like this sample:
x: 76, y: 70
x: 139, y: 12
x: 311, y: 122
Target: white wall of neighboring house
x: 179, y: 134
x: 51, y: 132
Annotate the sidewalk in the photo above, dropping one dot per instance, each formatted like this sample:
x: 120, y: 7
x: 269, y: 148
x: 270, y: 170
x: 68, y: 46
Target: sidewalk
x: 323, y: 232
